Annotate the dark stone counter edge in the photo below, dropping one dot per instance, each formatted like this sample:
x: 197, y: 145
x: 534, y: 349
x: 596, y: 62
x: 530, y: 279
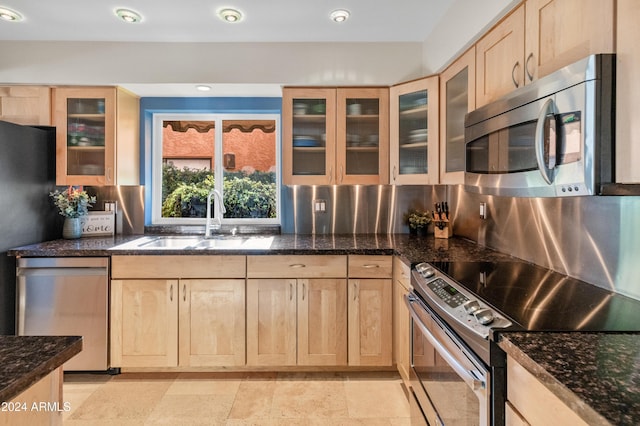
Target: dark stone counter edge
x: 573, y: 401
x: 24, y: 380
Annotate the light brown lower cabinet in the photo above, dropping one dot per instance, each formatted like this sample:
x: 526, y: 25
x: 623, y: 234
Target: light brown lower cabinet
x: 296, y: 322
x: 530, y: 402
x: 48, y: 390
x: 370, y: 322
x: 169, y: 322
x: 401, y: 319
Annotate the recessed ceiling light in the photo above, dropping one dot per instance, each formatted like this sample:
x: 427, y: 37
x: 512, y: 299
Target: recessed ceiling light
x: 339, y: 15
x: 230, y: 15
x: 203, y: 87
x: 10, y: 15
x: 129, y: 16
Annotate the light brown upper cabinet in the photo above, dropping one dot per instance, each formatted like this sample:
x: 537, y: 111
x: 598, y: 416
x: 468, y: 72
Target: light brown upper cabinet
x: 97, y: 136
x: 335, y: 136
x: 414, y: 137
x: 628, y: 92
x: 26, y: 105
x: 560, y: 32
x: 457, y: 97
x: 500, y: 59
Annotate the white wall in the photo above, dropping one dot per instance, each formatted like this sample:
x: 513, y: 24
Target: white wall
x: 461, y: 26
x: 86, y: 63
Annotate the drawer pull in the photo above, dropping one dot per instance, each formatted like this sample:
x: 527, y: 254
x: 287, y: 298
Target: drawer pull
x: 297, y: 265
x: 370, y: 266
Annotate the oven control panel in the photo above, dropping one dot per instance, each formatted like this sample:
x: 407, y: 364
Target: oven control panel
x: 455, y: 302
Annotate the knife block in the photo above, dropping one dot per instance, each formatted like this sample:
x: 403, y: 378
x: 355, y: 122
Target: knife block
x: 442, y: 228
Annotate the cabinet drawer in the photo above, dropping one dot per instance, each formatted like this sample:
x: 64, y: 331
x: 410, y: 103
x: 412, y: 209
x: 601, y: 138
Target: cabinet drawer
x: 178, y: 266
x: 296, y: 266
x: 370, y: 266
x: 402, y: 273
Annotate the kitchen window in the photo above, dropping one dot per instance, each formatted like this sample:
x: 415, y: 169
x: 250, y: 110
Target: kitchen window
x: 236, y: 154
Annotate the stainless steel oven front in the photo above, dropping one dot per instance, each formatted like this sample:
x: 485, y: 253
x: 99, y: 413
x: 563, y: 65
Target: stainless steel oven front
x: 450, y: 384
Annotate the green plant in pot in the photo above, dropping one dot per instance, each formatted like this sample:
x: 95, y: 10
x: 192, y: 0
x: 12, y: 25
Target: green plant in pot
x: 418, y: 221
x: 73, y: 204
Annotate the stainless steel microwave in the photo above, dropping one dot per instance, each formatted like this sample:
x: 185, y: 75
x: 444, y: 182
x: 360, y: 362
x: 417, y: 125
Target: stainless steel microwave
x: 552, y: 138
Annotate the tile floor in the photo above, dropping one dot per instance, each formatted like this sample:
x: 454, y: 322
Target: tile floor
x: 236, y: 399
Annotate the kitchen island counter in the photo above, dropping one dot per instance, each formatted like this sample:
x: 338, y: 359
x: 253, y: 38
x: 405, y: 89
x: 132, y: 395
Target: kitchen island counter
x: 597, y: 375
x: 411, y: 249
x: 24, y: 360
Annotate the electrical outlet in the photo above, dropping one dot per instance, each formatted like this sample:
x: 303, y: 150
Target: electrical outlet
x: 319, y: 206
x: 483, y: 210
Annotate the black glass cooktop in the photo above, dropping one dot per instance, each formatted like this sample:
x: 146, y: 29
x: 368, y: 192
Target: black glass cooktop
x: 537, y: 298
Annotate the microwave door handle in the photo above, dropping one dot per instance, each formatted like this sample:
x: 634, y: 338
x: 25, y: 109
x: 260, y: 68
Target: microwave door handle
x: 548, y: 108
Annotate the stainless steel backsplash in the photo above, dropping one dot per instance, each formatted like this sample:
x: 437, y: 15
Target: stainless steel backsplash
x: 595, y: 239
x: 130, y: 202
x: 354, y: 209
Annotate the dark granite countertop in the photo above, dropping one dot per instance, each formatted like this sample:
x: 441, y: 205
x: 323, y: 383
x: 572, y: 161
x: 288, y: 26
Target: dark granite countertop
x: 26, y: 359
x: 411, y: 249
x: 596, y: 374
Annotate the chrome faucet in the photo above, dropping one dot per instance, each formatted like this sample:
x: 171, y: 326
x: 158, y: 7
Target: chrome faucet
x: 216, y: 222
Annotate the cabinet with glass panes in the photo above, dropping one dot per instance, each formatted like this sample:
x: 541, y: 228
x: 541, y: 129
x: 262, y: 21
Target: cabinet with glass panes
x: 335, y: 136
x: 414, y: 132
x: 97, y: 139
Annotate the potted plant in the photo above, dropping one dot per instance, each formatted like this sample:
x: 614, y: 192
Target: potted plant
x: 72, y: 204
x: 418, y: 221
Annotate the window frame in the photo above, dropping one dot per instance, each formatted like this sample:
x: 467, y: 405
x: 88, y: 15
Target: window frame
x: 157, y: 162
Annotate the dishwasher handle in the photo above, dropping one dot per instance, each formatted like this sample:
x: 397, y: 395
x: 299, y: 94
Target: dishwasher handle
x: 50, y: 272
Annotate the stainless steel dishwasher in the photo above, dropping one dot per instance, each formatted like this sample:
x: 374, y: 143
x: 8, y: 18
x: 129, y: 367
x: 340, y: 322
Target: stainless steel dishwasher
x: 66, y: 296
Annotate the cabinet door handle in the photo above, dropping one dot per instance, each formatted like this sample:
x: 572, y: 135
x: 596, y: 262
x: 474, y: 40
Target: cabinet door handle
x: 513, y: 74
x: 355, y: 290
x: 290, y: 291
x: 297, y: 265
x: 109, y: 172
x: 330, y: 174
x: 395, y: 173
x: 341, y: 174
x: 304, y: 290
x: 370, y: 266
x: 184, y: 292
x: 526, y: 66
x: 171, y: 292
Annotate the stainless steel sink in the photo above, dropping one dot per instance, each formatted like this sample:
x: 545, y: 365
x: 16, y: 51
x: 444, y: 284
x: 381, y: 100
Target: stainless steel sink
x: 178, y: 242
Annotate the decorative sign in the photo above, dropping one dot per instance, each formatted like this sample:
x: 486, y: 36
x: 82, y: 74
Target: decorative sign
x: 99, y: 223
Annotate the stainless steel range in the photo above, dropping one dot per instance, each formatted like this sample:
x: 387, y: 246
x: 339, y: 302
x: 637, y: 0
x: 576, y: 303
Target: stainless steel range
x: 459, y: 308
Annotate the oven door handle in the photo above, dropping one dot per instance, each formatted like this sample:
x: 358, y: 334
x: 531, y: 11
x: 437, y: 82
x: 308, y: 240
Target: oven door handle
x: 467, y: 375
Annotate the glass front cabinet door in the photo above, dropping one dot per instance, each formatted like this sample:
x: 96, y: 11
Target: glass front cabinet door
x: 414, y: 132
x: 308, y: 136
x: 362, y: 136
x: 335, y: 136
x: 88, y: 122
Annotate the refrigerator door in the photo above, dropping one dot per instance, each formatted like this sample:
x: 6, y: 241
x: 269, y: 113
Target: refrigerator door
x: 27, y: 175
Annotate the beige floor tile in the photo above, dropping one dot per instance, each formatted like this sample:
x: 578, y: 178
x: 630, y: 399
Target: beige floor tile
x: 253, y: 399
x: 301, y: 398
x: 376, y: 399
x: 191, y: 410
x: 122, y: 399
x: 201, y: 386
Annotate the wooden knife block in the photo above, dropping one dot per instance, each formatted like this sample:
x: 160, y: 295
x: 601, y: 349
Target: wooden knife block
x: 442, y: 228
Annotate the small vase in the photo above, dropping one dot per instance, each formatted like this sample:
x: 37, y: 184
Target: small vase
x: 72, y: 228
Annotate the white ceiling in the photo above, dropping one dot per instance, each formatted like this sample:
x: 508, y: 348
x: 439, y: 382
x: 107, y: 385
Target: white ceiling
x: 197, y: 21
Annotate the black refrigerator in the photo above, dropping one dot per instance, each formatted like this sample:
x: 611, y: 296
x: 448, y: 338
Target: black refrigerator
x: 27, y: 215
